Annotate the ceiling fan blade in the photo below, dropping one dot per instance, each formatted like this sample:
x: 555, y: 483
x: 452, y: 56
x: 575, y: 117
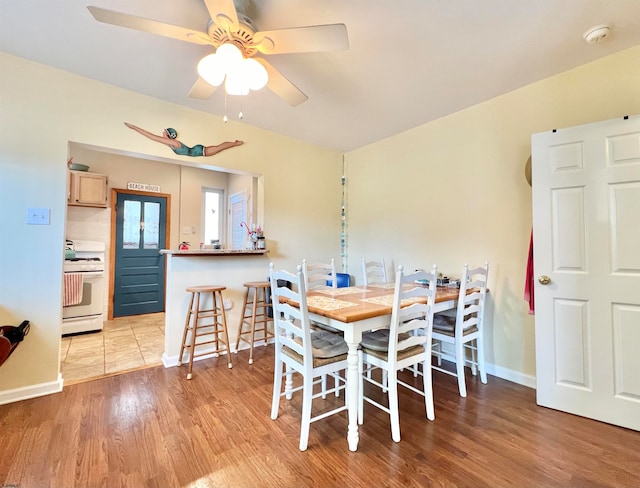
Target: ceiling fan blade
x: 201, y: 90
x: 313, y: 38
x: 223, y: 13
x: 146, y: 25
x: 282, y: 87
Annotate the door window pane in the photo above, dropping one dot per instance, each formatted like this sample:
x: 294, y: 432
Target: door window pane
x: 151, y: 227
x: 131, y: 225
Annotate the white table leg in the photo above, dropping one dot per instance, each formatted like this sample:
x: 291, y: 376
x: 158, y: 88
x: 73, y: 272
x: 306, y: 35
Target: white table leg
x: 352, y: 336
x: 352, y: 395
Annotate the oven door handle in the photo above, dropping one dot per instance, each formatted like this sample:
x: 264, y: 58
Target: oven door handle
x: 88, y: 274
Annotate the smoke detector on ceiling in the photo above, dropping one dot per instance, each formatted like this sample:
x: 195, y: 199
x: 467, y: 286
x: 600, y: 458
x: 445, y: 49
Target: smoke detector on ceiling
x: 596, y: 33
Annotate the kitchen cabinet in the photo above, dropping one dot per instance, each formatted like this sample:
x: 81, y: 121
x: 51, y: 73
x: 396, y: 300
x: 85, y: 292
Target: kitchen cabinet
x: 87, y: 189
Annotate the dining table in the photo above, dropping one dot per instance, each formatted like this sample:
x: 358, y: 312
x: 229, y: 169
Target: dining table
x: 354, y: 310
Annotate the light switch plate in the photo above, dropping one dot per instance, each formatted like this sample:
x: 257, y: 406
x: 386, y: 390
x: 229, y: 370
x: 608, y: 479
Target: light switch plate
x: 38, y: 216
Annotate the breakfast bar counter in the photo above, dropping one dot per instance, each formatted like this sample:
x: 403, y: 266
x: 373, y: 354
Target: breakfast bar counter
x: 215, y: 252
x: 186, y: 268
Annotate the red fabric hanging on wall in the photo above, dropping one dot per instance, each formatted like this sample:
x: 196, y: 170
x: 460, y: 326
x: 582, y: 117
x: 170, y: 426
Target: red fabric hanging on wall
x: 529, y: 283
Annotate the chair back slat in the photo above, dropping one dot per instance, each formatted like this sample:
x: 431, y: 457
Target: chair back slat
x: 317, y: 275
x: 373, y: 272
x: 470, y: 310
x: 292, y: 327
x: 412, y: 325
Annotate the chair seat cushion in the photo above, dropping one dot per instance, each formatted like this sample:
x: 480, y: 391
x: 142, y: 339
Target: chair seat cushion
x: 404, y: 354
x: 317, y: 362
x: 446, y: 325
x: 326, y: 344
x: 319, y: 326
x: 443, y: 322
x: 378, y: 340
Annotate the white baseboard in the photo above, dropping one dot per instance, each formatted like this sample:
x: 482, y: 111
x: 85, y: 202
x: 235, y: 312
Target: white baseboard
x: 171, y: 361
x: 505, y: 374
x: 511, y: 375
x: 497, y: 371
x: 31, y: 391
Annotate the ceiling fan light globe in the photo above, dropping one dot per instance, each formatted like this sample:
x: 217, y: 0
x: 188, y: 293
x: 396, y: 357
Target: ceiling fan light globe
x: 256, y: 74
x: 229, y: 55
x: 211, y: 70
x: 236, y: 84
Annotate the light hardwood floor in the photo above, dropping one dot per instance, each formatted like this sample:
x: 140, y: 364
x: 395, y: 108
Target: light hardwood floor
x: 124, y: 344
x: 153, y: 428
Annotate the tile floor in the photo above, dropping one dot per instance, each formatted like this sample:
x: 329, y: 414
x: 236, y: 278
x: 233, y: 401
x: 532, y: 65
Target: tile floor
x: 124, y: 344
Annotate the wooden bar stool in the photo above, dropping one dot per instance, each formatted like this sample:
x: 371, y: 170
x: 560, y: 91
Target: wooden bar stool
x: 211, y: 332
x: 256, y: 315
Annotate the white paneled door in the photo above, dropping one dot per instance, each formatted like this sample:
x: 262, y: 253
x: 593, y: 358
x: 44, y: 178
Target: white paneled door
x: 586, y: 232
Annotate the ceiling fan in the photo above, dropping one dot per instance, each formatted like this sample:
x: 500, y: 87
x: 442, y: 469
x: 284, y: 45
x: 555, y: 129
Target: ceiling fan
x: 229, y: 25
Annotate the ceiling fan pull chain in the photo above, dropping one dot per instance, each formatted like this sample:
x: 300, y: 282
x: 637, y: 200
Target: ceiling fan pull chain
x: 225, y: 119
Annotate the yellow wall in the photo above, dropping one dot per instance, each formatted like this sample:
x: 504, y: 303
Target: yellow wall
x: 446, y: 192
x: 453, y: 191
x: 43, y: 109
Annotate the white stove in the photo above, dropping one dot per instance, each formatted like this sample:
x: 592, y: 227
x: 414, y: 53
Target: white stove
x: 77, y: 264
x: 89, y: 256
x: 88, y: 264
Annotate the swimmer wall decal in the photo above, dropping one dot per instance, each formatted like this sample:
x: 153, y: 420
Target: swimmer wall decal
x: 169, y: 138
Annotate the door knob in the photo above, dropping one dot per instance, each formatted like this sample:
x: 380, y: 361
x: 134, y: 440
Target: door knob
x: 544, y: 280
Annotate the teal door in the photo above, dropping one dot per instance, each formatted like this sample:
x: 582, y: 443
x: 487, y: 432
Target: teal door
x: 139, y: 268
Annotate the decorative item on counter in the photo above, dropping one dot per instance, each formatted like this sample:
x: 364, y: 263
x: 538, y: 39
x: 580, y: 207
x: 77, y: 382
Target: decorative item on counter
x: 256, y: 237
x: 184, y: 246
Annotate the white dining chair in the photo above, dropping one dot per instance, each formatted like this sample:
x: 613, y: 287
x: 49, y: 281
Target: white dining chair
x: 317, y: 275
x: 373, y: 271
x: 299, y: 350
x: 406, y: 343
x: 464, y: 331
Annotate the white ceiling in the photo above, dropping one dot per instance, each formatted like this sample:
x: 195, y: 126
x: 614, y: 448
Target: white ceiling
x: 409, y: 61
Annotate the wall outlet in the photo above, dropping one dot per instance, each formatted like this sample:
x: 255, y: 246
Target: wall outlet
x: 228, y: 303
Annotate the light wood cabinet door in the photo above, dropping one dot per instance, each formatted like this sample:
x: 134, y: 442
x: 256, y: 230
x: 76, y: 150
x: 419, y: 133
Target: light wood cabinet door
x: 87, y: 189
